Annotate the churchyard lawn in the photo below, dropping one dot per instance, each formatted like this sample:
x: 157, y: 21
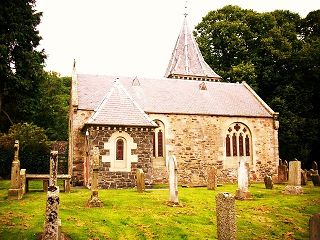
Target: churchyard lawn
x: 130, y: 215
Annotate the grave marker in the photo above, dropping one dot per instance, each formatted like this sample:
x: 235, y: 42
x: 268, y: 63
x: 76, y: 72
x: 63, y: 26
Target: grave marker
x: 294, y: 183
x: 173, y: 180
x: 212, y: 178
x: 268, y: 182
x: 15, y: 191
x: 242, y: 192
x: 140, y: 180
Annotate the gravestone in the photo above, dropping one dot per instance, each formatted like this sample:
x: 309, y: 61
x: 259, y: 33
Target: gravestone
x: 140, y: 180
x: 268, y: 182
x: 314, y: 165
x: 304, y: 178
x: 15, y: 191
x: 294, y: 183
x: 94, y: 200
x: 212, y: 178
x: 173, y: 181
x: 226, y: 217
x: 315, y: 178
x: 52, y: 226
x: 242, y: 192
x: 314, y: 227
x: 23, y: 181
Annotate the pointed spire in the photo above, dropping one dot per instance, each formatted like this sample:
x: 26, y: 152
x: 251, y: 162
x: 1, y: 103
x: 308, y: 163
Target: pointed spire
x: 186, y: 60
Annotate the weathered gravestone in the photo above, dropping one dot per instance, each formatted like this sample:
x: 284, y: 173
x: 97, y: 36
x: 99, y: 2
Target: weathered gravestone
x: 294, y: 183
x: 212, y: 178
x: 268, y: 182
x: 52, y: 226
x: 304, y: 178
x: 173, y: 181
x: 226, y: 217
x: 315, y: 178
x: 94, y: 200
x: 15, y: 191
x: 314, y: 165
x: 314, y: 227
x: 283, y: 171
x: 242, y: 192
x: 140, y: 180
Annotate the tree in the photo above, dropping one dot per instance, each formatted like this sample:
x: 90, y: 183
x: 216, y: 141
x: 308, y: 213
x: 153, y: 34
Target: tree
x: 21, y: 64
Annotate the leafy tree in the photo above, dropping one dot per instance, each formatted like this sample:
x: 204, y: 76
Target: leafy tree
x: 21, y: 64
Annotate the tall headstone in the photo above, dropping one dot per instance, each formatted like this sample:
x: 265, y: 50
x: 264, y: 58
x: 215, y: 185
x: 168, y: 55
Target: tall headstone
x: 15, y: 191
x: 226, y: 217
x: 212, y: 178
x: 23, y: 180
x: 304, y: 178
x: 294, y: 183
x: 173, y: 180
x: 314, y: 227
x: 52, y: 222
x: 242, y: 192
x: 268, y: 182
x: 94, y: 200
x: 283, y: 172
x: 140, y: 180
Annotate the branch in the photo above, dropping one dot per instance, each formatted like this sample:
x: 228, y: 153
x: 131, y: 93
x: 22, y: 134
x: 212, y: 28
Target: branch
x: 7, y: 116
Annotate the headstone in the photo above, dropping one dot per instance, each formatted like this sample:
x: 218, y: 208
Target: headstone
x: 242, y: 192
x: 304, y: 178
x: 15, y: 191
x: 140, y: 180
x: 315, y: 178
x: 226, y: 217
x: 294, y: 183
x: 23, y: 181
x: 212, y: 178
x: 314, y: 165
x: 94, y: 200
x: 314, y: 227
x: 52, y: 222
x: 282, y: 173
x: 268, y: 182
x: 173, y: 180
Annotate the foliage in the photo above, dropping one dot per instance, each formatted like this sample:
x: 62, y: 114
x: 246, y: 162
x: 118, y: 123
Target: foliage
x: 278, y: 54
x: 21, y: 64
x: 34, y: 149
x: 129, y: 215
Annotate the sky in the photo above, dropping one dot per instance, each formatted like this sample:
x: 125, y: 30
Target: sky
x: 128, y: 37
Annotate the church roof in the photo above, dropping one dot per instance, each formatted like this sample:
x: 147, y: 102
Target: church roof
x: 168, y: 96
x: 119, y: 108
x: 186, y: 60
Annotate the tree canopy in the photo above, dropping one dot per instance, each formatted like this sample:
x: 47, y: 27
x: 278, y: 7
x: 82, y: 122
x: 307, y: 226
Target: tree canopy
x: 277, y: 53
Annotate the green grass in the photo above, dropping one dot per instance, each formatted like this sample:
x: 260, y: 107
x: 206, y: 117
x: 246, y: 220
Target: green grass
x: 129, y: 215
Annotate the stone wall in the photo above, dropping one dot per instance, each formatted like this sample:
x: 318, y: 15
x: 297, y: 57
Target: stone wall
x: 142, y: 137
x: 198, y: 142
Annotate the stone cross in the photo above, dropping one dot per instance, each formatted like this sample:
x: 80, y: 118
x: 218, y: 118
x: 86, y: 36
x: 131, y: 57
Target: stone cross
x: 173, y: 180
x: 140, y: 180
x: 53, y: 168
x: 294, y: 183
x: 268, y: 182
x: 94, y: 200
x: 226, y: 217
x: 212, y: 178
x: 242, y: 192
x: 15, y: 191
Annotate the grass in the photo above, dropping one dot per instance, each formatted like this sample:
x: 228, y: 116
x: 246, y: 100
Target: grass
x: 129, y: 215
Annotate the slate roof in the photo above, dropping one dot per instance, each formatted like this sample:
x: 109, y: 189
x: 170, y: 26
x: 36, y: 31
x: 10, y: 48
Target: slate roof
x: 118, y: 108
x: 167, y: 96
x: 186, y: 59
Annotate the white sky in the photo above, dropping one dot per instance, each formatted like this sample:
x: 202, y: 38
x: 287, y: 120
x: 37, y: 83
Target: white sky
x: 128, y: 37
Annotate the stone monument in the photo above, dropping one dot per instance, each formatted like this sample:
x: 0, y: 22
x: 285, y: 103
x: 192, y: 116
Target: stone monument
x: 212, y: 178
x: 268, y: 182
x: 94, y: 200
x: 173, y: 181
x: 140, y: 180
x: 294, y: 183
x: 242, y: 192
x: 304, y: 177
x: 226, y: 217
x: 314, y: 227
x: 52, y: 226
x: 15, y: 191
x: 283, y: 171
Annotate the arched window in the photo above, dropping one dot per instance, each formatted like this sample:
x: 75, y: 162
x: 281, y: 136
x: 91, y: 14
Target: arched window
x: 238, y: 138
x: 159, y: 140
x: 160, y: 144
x: 119, y: 149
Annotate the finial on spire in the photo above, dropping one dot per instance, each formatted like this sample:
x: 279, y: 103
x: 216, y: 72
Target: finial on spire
x: 74, y: 63
x: 186, y: 9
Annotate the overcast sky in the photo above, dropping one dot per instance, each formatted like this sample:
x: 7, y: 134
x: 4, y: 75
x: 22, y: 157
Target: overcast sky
x: 128, y: 37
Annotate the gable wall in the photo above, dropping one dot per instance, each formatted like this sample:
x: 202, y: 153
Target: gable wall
x: 198, y: 141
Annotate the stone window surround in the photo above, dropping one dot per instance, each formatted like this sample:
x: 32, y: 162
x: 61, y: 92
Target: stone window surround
x: 233, y: 161
x: 156, y: 145
x: 110, y: 146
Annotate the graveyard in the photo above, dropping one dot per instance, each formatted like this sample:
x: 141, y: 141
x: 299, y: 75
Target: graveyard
x: 127, y: 214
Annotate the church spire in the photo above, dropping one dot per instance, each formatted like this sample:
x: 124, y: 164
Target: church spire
x: 186, y: 60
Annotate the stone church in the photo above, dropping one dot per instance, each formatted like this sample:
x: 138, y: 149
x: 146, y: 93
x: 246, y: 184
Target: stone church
x: 139, y: 122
